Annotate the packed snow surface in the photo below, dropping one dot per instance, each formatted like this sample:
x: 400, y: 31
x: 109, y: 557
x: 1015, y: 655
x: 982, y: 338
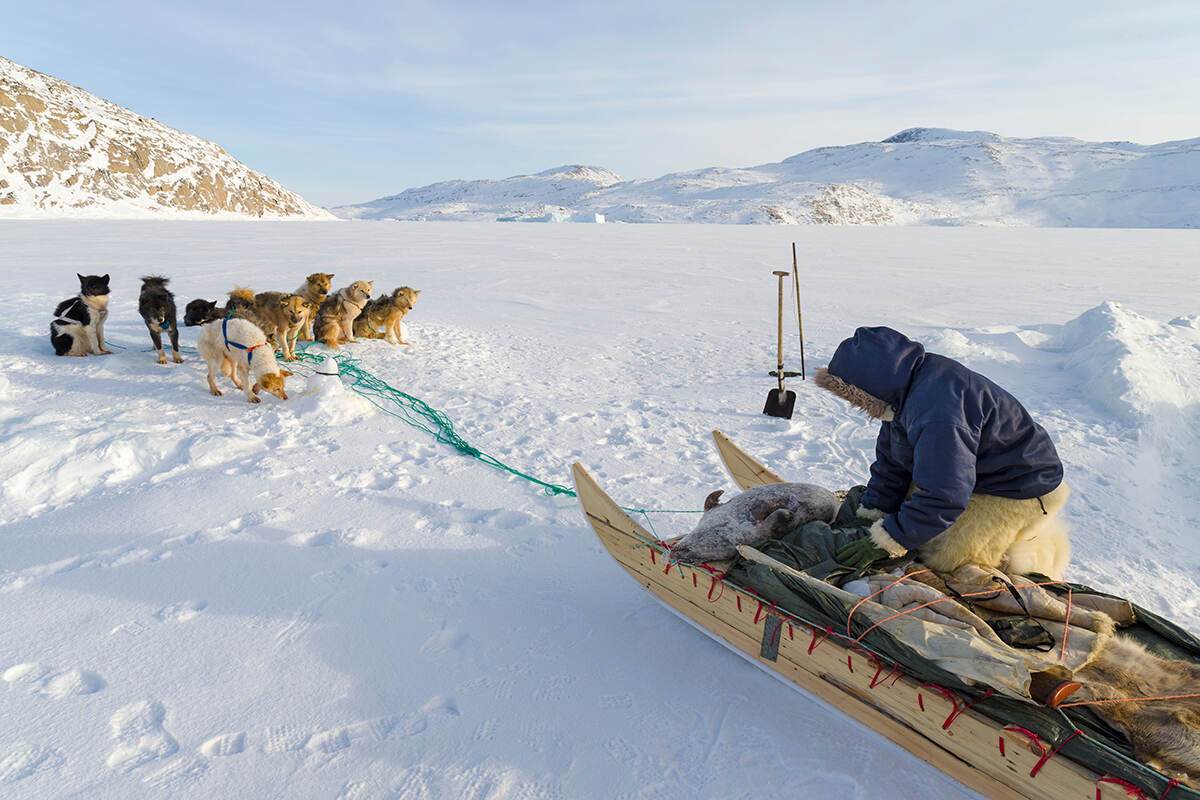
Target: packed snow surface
x: 920, y: 176
x: 309, y: 598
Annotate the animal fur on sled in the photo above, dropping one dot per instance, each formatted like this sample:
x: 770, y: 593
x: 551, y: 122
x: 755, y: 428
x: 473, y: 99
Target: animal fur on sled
x: 1165, y: 734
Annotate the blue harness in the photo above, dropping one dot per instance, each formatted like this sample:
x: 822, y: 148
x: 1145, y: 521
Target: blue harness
x: 228, y: 344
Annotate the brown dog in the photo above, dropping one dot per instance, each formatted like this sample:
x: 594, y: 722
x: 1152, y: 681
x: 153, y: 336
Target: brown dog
x: 335, y: 318
x: 382, y: 316
x: 243, y: 305
x: 283, y: 314
x: 314, y: 289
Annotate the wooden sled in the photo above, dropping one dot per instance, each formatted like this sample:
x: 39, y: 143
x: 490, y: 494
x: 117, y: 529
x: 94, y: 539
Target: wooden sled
x: 975, y: 750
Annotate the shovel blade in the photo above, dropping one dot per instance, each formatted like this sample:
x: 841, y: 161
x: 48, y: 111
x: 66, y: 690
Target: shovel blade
x: 780, y: 403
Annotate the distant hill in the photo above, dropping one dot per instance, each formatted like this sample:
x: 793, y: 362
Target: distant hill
x: 64, y: 153
x: 920, y: 176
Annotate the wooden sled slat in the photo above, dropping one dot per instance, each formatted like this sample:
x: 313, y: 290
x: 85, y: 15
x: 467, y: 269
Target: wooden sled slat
x: 745, y: 471
x: 969, y: 750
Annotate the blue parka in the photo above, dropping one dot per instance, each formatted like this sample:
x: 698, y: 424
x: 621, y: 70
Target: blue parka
x: 954, y: 433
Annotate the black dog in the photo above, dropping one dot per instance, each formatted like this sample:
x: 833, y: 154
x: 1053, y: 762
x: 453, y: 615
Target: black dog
x: 78, y: 325
x: 157, y: 307
x: 201, y: 312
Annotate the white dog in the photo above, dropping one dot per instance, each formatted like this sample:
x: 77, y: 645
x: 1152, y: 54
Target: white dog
x: 238, y: 349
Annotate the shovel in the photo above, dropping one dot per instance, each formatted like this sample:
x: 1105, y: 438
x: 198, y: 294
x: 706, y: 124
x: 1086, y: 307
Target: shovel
x: 780, y: 402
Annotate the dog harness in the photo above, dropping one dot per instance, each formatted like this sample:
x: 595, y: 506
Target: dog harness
x: 228, y: 344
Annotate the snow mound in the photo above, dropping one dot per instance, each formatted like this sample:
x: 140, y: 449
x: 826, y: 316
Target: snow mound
x: 953, y: 344
x: 1143, y: 371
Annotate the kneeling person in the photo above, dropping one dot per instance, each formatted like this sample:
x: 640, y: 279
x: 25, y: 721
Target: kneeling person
x: 962, y: 473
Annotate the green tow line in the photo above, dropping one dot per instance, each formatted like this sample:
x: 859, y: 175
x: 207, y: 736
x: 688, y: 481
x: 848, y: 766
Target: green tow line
x: 421, y: 415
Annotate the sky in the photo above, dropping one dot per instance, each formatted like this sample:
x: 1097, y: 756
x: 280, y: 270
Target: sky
x: 350, y: 101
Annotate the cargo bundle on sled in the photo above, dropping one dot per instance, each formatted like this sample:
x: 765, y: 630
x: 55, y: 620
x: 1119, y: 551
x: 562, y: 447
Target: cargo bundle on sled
x: 988, y: 738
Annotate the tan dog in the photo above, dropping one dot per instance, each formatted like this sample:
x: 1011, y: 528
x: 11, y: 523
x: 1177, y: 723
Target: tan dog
x: 382, y: 316
x: 335, y: 318
x: 243, y: 305
x: 314, y: 289
x: 239, y: 350
x: 283, y: 314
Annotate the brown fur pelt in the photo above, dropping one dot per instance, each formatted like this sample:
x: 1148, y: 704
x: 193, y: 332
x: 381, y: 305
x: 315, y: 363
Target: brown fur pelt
x: 382, y: 316
x: 314, y: 289
x: 242, y: 305
x: 283, y: 314
x: 335, y: 318
x: 1165, y: 733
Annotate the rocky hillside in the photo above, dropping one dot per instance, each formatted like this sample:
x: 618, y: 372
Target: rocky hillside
x: 65, y: 152
x: 926, y: 176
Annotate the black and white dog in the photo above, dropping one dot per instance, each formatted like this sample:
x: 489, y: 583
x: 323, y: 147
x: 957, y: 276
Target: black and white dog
x: 157, y: 307
x: 78, y: 325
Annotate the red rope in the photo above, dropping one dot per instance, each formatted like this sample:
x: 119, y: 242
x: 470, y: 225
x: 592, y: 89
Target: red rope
x: 715, y: 581
x: 881, y: 591
x: 817, y: 642
x: 941, y: 599
x: 1174, y: 782
x: 895, y: 670
x: 959, y: 705
x: 758, y: 614
x: 1038, y: 766
x: 1127, y: 700
x: 1130, y: 789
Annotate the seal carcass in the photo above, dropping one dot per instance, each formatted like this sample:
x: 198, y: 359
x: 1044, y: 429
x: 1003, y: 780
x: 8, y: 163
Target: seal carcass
x: 763, y: 512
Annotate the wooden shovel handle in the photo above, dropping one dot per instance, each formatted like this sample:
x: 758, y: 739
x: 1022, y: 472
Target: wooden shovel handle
x: 782, y: 274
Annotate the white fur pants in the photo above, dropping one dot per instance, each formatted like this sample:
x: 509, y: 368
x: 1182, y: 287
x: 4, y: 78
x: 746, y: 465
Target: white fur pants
x: 1013, y: 535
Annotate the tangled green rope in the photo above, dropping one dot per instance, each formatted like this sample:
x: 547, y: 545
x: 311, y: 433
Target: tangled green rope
x: 421, y: 415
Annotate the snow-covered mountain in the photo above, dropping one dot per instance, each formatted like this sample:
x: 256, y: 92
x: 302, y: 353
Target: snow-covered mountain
x: 65, y: 152
x: 555, y: 194
x: 919, y: 176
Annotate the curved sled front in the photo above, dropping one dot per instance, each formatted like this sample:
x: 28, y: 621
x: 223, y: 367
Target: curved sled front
x: 745, y: 471
x: 975, y: 750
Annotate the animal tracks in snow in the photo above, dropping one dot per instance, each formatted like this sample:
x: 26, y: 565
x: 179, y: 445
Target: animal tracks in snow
x: 227, y: 744
x: 43, y: 680
x: 24, y: 759
x: 139, y: 736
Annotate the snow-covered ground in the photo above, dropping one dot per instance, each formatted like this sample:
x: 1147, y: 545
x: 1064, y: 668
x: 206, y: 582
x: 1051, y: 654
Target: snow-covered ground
x: 204, y: 598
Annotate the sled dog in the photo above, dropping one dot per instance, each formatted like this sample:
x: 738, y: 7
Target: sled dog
x: 200, y: 311
x: 243, y: 306
x: 157, y: 307
x: 381, y: 317
x: 335, y: 318
x: 78, y: 325
x: 283, y: 314
x: 237, y: 349
x: 314, y: 289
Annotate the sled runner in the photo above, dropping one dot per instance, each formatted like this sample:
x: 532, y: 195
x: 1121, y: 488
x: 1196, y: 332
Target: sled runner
x: 1014, y: 750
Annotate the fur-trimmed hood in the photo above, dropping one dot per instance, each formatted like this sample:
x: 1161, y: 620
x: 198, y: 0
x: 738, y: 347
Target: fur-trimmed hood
x: 872, y: 370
